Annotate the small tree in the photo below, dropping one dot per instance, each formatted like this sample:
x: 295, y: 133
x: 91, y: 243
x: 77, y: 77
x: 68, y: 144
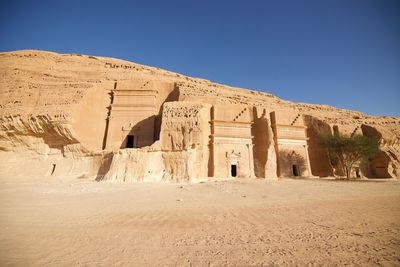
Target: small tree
x: 345, y: 151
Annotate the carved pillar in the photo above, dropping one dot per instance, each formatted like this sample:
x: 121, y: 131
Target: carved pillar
x: 251, y: 160
x: 308, y: 161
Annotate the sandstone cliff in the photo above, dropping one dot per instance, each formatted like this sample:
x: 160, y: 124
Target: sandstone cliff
x: 54, y: 107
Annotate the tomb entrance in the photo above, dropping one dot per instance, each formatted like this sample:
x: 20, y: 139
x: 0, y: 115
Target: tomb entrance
x: 233, y: 170
x: 130, y: 142
x: 296, y: 171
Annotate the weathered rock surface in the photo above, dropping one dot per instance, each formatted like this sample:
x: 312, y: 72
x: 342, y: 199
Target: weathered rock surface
x: 54, y: 111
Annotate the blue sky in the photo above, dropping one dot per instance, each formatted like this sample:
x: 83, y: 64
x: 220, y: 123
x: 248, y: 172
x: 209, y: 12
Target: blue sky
x: 344, y: 53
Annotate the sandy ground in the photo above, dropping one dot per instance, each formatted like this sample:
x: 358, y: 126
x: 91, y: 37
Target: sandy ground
x: 231, y: 223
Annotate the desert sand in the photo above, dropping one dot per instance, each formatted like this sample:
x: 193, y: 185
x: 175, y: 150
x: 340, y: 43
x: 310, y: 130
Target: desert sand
x: 242, y: 222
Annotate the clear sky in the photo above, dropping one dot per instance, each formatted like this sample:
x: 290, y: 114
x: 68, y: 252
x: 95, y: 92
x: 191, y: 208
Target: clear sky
x: 344, y: 53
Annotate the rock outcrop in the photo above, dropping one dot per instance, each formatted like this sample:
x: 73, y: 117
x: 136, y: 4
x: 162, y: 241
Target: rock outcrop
x: 57, y: 112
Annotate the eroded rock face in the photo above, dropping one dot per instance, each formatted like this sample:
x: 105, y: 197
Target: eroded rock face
x: 134, y: 165
x: 185, y: 132
x: 74, y: 115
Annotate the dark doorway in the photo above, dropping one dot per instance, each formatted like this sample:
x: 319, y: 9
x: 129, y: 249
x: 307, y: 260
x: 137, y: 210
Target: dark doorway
x: 130, y: 141
x: 233, y: 170
x: 296, y: 171
x: 358, y: 172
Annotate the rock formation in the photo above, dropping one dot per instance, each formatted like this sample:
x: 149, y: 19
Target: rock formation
x: 70, y: 115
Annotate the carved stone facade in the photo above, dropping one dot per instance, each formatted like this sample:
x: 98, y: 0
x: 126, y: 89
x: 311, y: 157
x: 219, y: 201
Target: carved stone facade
x: 108, y: 119
x: 231, y: 142
x: 132, y: 115
x: 291, y: 147
x: 199, y: 140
